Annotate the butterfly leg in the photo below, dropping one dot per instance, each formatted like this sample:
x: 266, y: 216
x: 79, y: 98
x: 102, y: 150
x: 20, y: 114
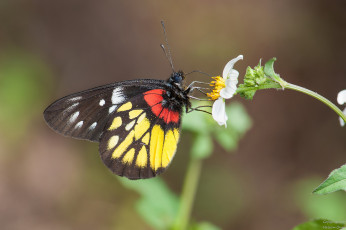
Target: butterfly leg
x: 199, y: 99
x: 199, y: 89
x: 194, y: 82
x: 198, y: 109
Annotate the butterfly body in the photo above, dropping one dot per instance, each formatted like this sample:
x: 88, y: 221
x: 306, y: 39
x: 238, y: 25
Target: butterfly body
x: 136, y: 122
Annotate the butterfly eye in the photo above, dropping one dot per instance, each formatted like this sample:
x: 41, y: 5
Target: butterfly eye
x: 177, y: 77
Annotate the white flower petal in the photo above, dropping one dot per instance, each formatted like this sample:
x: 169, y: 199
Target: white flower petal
x: 231, y: 83
x: 227, y: 94
x: 342, y: 97
x: 234, y: 82
x: 233, y: 74
x: 342, y: 123
x: 229, y: 90
x: 219, y: 112
x: 229, y: 66
x: 234, y: 88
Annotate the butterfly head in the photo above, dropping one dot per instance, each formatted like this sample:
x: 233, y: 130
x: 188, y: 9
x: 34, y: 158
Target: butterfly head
x: 177, y: 77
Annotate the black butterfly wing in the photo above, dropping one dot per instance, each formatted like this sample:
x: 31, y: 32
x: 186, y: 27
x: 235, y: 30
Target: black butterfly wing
x: 84, y: 115
x: 141, y: 138
x: 134, y: 121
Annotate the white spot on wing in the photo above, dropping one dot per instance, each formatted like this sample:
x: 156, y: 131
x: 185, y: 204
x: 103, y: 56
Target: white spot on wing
x: 79, y: 124
x: 113, y: 141
x: 74, y: 117
x: 118, y: 96
x: 93, y: 125
x: 68, y: 109
x: 141, y: 118
x: 111, y: 109
x: 102, y: 102
x: 75, y: 98
x: 130, y: 125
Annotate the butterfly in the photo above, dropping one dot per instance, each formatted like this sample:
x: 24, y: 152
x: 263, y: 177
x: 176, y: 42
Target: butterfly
x: 136, y: 122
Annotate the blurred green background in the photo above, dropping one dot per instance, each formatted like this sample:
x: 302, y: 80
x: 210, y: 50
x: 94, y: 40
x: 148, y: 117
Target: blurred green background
x: 49, y: 49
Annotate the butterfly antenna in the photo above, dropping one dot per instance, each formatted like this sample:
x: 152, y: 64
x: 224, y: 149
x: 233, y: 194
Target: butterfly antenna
x: 198, y: 71
x: 168, y: 51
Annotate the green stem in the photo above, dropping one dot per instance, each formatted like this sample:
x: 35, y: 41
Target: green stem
x: 287, y: 85
x: 188, y: 194
x: 272, y: 85
x: 318, y: 97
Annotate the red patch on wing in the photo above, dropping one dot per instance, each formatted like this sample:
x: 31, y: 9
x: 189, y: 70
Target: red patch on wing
x: 154, y: 99
x: 173, y: 116
x: 157, y: 109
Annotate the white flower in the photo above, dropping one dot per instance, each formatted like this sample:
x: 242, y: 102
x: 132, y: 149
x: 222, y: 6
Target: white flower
x: 342, y: 100
x: 224, y: 88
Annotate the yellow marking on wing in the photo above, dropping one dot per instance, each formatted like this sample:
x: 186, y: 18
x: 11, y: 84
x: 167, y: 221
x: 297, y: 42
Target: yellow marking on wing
x: 156, y: 144
x: 123, y: 145
x: 112, y: 142
x: 169, y: 148
x: 135, y: 113
x: 176, y: 134
x: 145, y: 139
x: 125, y: 107
x: 141, y: 128
x: 116, y: 123
x: 129, y: 156
x: 130, y: 125
x: 142, y: 158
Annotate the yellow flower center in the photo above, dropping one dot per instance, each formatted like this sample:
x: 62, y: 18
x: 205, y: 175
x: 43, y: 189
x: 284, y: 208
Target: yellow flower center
x: 218, y: 84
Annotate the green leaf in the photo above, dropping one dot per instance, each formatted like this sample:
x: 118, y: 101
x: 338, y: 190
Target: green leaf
x: 226, y: 139
x: 330, y: 207
x: 202, y: 146
x: 269, y: 69
x: 237, y: 124
x: 194, y: 122
x: 320, y: 224
x: 197, y: 122
x: 238, y: 119
x: 158, y: 205
x: 335, y: 181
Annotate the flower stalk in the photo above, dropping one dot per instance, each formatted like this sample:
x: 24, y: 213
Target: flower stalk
x: 265, y: 78
x: 275, y: 85
x: 188, y: 194
x: 318, y: 97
